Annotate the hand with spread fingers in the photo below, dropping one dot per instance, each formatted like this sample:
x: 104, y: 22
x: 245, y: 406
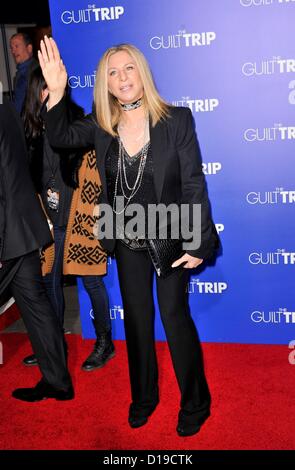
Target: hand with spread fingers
x: 53, y: 70
x: 190, y: 261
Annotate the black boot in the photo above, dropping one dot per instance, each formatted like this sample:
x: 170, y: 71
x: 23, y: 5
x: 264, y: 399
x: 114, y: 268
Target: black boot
x: 103, y: 351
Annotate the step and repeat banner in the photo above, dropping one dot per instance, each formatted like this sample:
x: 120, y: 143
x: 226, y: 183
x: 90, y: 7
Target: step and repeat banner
x: 232, y: 62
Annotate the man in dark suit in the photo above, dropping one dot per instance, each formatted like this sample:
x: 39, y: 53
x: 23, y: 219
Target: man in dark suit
x: 21, y: 47
x: 23, y: 231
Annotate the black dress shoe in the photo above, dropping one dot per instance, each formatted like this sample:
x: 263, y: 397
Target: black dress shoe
x: 30, y: 360
x: 188, y: 429
x: 42, y: 391
x: 137, y: 419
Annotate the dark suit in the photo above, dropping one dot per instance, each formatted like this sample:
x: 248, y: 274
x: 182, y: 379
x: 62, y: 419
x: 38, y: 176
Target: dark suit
x: 178, y: 178
x: 23, y: 231
x: 23, y: 221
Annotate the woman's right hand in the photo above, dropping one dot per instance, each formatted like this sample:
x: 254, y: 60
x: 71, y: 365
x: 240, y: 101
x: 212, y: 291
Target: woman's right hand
x: 53, y: 70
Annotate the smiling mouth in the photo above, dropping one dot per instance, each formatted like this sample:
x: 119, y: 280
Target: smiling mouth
x: 125, y: 88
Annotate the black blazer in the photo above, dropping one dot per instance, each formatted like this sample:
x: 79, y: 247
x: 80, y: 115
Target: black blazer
x: 23, y: 225
x: 178, y: 175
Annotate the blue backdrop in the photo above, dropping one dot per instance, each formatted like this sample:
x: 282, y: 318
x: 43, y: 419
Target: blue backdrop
x: 232, y: 62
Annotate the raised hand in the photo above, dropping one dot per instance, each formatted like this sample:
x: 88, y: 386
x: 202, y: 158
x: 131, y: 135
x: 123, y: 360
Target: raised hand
x: 53, y: 70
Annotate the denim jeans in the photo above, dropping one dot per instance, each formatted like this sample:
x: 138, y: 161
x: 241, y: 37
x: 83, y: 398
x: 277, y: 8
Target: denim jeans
x: 97, y: 292
x: 94, y: 286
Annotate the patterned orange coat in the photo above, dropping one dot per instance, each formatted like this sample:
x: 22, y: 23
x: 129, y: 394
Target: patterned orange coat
x: 83, y: 254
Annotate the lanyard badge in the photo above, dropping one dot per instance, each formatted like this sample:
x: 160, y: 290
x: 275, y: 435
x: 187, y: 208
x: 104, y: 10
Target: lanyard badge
x: 52, y: 196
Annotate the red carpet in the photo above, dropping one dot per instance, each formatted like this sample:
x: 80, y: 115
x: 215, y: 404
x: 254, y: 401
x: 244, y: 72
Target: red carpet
x: 253, y: 404
x: 9, y: 316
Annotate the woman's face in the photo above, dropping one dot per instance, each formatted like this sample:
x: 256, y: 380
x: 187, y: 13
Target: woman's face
x: 124, y: 81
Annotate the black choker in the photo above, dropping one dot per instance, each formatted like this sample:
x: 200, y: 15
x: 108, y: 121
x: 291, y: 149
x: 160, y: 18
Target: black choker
x: 130, y: 106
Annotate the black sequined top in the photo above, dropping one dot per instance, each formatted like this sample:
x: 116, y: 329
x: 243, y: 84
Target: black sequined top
x: 145, y: 194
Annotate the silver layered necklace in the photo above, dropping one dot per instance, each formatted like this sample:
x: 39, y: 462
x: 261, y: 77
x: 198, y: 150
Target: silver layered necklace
x: 128, y: 190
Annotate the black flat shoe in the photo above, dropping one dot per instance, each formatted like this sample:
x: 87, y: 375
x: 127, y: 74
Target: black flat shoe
x: 136, y: 420
x: 30, y: 360
x: 42, y: 391
x: 188, y: 430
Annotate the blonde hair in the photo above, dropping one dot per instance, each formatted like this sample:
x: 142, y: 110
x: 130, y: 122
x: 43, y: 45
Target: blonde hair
x: 108, y: 109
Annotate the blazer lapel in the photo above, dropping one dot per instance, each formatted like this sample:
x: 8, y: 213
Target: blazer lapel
x: 159, y: 152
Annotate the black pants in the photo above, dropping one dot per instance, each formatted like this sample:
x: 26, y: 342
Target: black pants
x: 45, y: 334
x: 135, y: 272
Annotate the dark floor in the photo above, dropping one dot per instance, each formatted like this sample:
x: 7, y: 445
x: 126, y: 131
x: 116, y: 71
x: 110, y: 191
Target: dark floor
x: 72, y: 316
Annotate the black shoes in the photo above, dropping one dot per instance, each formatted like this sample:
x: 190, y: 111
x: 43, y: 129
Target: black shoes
x: 42, y: 391
x: 138, y: 418
x: 103, y: 351
x: 137, y: 422
x: 188, y: 429
x: 30, y: 360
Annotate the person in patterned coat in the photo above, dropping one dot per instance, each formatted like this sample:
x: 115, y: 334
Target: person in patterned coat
x: 68, y: 185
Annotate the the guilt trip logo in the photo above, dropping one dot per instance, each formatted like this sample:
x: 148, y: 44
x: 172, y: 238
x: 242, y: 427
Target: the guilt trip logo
x: 264, y: 3
x: 270, y: 134
x: 197, y: 105
x: 276, y: 65
x: 82, y: 81
x: 281, y: 315
x: 211, y: 168
x: 196, y: 286
x: 278, y: 257
x: 116, y: 312
x: 92, y: 13
x: 278, y: 196
x: 219, y: 228
x: 182, y: 39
